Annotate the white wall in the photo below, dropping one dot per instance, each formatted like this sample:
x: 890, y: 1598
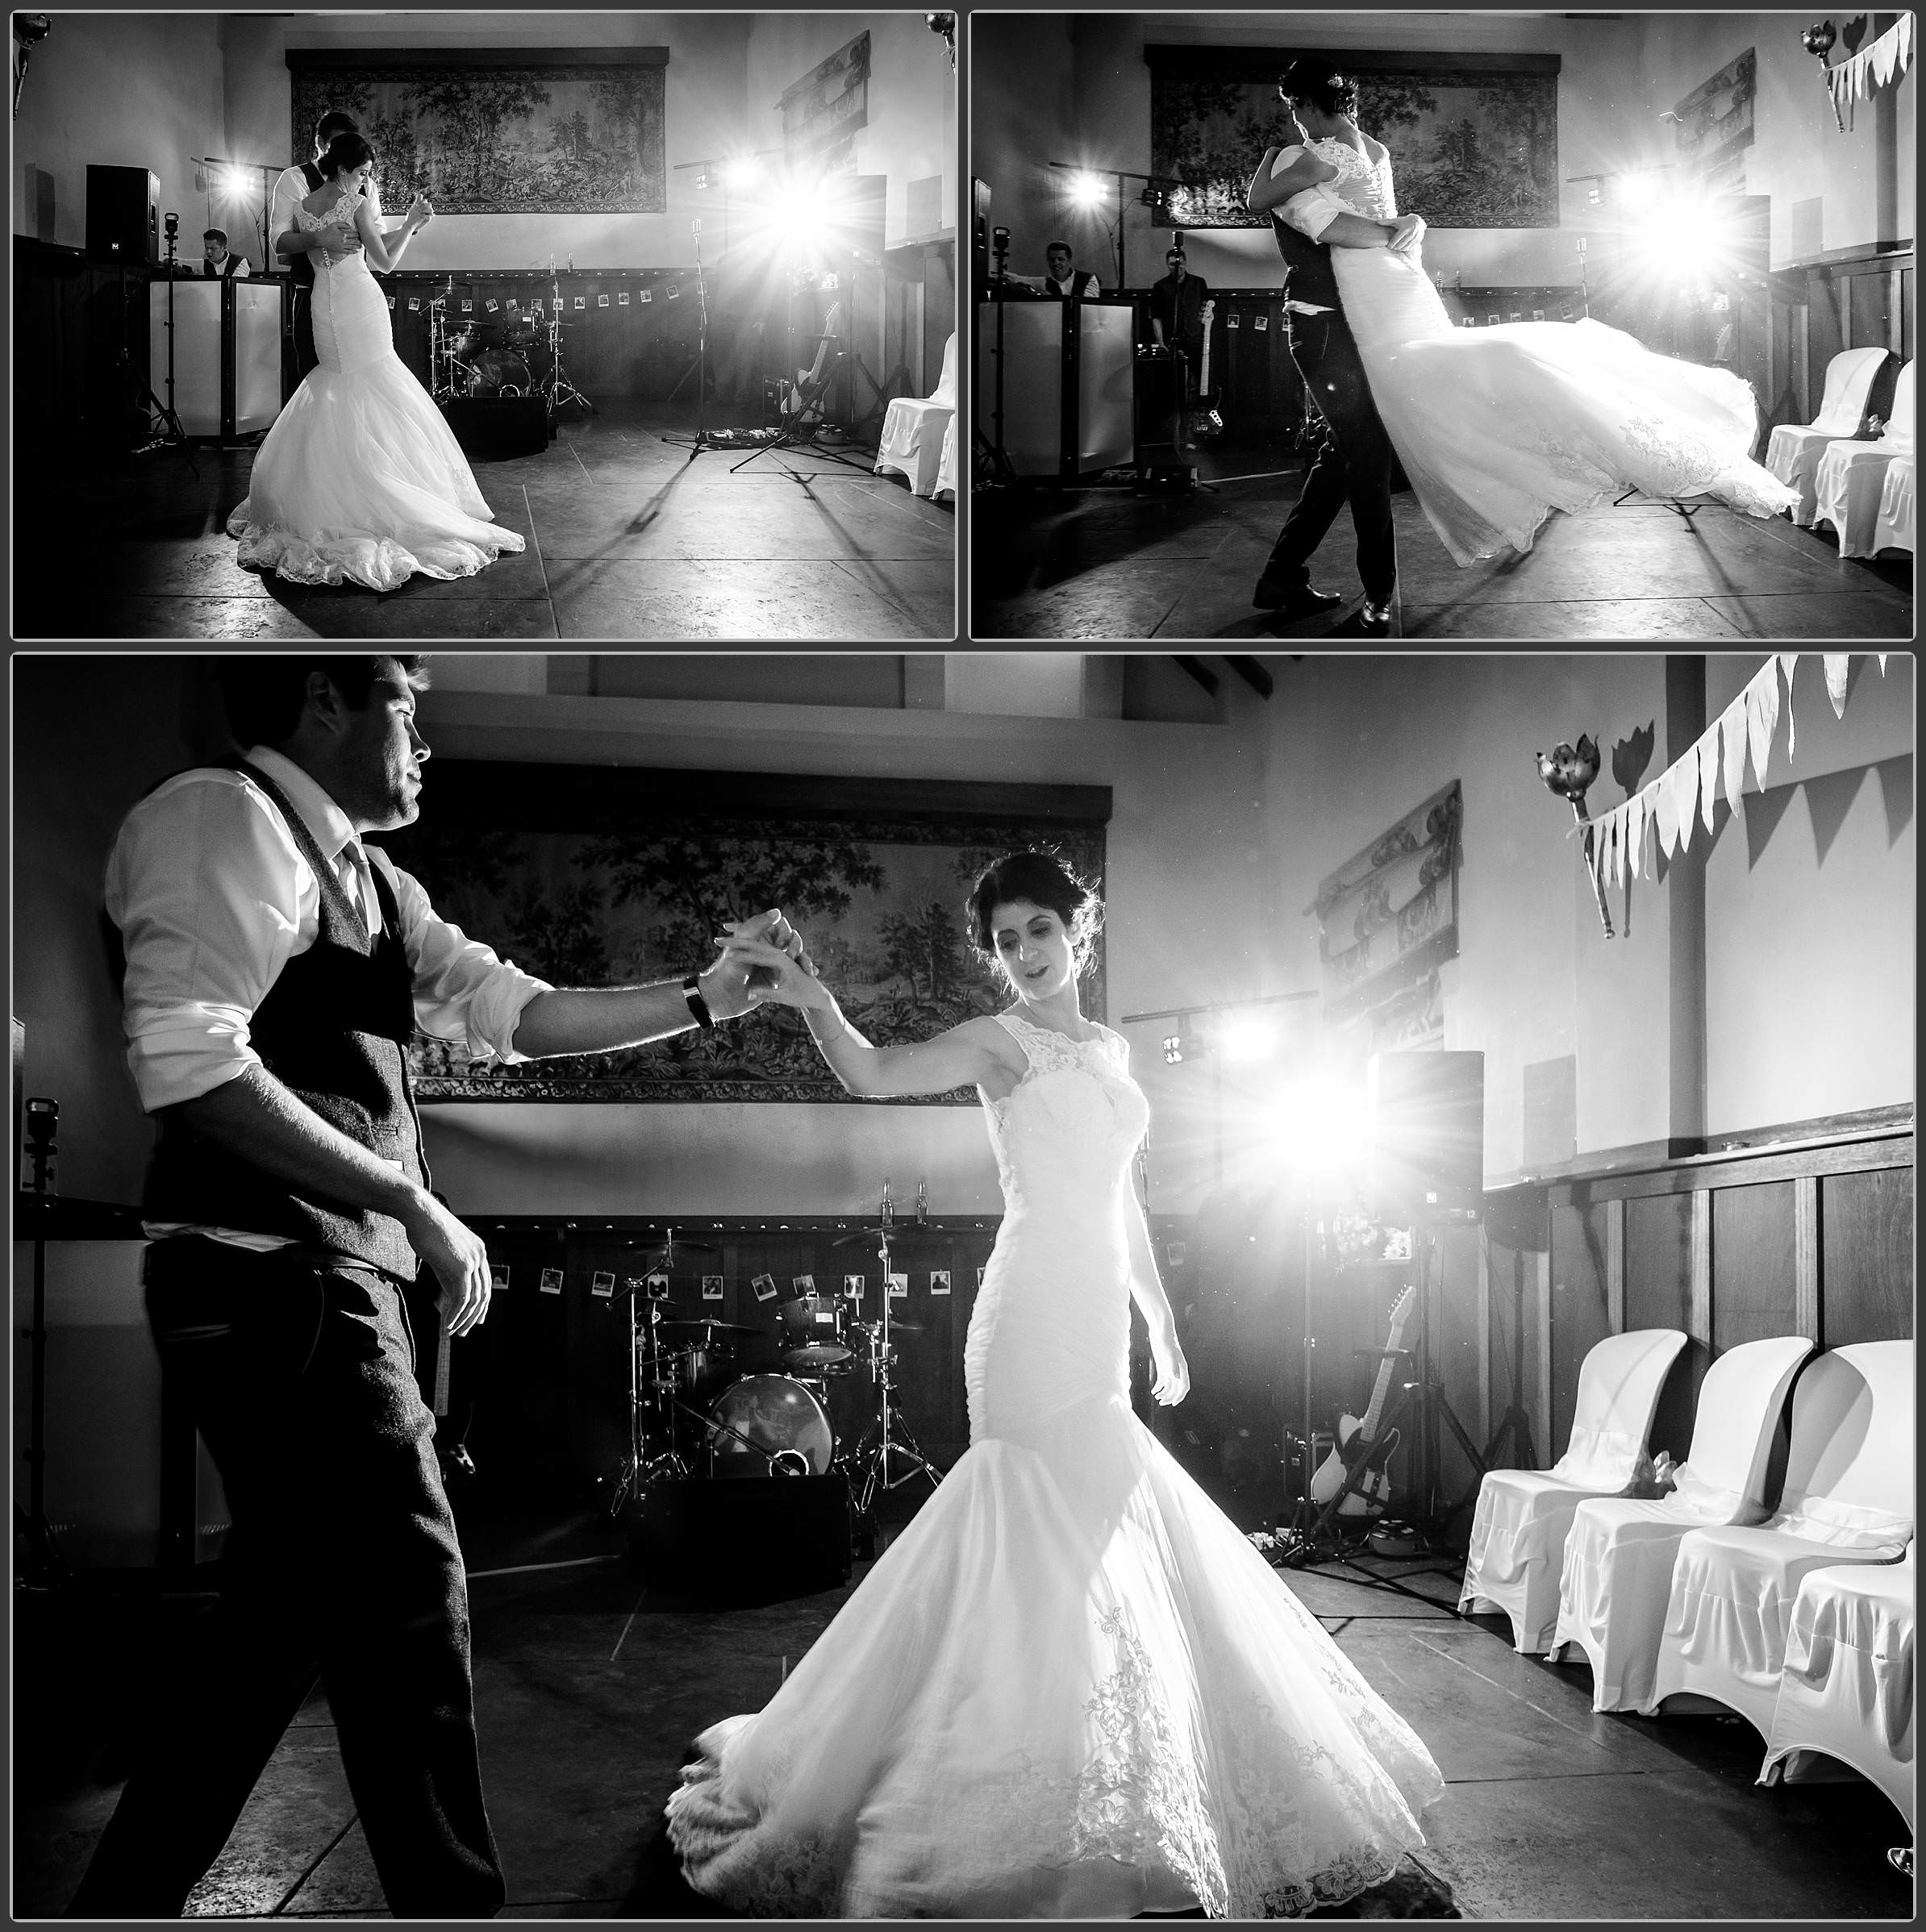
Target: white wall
x: 911, y: 132
x: 123, y: 90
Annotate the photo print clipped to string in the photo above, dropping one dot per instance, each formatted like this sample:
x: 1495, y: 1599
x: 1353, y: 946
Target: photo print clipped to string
x: 602, y: 1285
x: 852, y: 1287
x: 497, y: 1276
x: 551, y: 1280
x: 765, y: 1286
x: 939, y: 1280
x: 712, y: 1287
x: 658, y: 1286
x: 802, y: 1284
x: 899, y: 1287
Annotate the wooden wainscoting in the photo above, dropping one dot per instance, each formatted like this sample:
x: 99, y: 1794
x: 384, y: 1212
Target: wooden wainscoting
x: 1807, y: 1231
x: 1849, y: 298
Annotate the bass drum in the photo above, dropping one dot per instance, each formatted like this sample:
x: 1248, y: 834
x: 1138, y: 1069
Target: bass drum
x: 781, y: 1418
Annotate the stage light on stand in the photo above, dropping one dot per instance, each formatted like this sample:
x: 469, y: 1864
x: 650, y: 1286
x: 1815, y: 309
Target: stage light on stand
x: 1247, y: 1038
x: 1087, y: 191
x: 1173, y: 1049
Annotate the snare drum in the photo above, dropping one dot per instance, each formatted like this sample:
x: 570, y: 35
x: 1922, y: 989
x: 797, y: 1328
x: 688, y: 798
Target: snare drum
x: 781, y: 1418
x: 812, y: 1332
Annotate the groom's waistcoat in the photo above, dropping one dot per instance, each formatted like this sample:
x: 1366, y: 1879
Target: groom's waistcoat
x: 334, y: 1029
x: 1308, y: 275
x: 301, y: 268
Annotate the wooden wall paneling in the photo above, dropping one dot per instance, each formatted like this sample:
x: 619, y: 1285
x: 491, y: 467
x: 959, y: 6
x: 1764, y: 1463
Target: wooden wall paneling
x: 1866, y: 1249
x: 1755, y: 1291
x: 1658, y: 1294
x: 1615, y: 1264
x: 1805, y: 1260
x: 1581, y: 1308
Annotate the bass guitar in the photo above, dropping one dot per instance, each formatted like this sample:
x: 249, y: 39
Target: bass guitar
x: 1204, y: 422
x: 803, y: 399
x: 1358, y: 1441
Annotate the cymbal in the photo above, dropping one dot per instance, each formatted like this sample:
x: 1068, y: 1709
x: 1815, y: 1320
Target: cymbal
x: 896, y: 1327
x: 684, y: 1324
x: 900, y: 1231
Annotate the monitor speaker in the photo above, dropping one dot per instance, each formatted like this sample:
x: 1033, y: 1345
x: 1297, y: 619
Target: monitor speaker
x: 1426, y: 1131
x: 123, y: 213
x: 746, y: 1539
x: 499, y: 426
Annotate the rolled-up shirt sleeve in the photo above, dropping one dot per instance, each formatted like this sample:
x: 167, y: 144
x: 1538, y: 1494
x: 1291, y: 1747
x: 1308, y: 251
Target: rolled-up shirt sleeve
x: 203, y: 943
x: 283, y: 215
x: 463, y: 991
x: 1313, y: 211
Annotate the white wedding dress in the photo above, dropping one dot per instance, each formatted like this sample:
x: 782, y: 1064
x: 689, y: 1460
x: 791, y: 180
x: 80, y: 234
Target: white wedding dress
x: 360, y: 478
x: 1496, y: 428
x: 1070, y: 1688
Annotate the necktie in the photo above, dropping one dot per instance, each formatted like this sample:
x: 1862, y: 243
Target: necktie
x: 358, y: 878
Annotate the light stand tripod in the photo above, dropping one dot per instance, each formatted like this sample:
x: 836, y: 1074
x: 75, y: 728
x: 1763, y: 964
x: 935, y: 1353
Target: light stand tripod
x: 169, y: 433
x: 702, y: 440
x: 868, y: 1465
x: 1002, y: 472
x: 42, y: 1567
x: 555, y: 386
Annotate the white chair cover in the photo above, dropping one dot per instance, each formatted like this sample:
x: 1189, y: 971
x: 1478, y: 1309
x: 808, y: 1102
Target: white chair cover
x: 912, y: 432
x: 1851, y: 477
x: 1617, y: 1574
x: 1892, y: 529
x: 1848, y: 1499
x: 1518, y: 1530
x: 1846, y: 1691
x: 946, y: 469
x: 1792, y: 451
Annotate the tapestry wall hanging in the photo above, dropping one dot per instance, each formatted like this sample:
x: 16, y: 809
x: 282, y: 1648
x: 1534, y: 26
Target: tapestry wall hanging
x: 1388, y: 918
x: 589, y: 876
x: 1473, y: 138
x: 520, y: 130
x: 821, y: 112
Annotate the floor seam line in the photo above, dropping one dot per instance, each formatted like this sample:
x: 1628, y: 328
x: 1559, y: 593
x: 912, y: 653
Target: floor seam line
x: 327, y: 1851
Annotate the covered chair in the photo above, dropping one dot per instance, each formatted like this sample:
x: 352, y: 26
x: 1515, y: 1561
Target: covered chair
x: 946, y: 469
x: 1892, y: 529
x: 1851, y: 477
x: 912, y: 432
x: 1846, y: 1691
x: 1792, y: 453
x: 1617, y: 1577
x: 1848, y: 1499
x: 1518, y: 1530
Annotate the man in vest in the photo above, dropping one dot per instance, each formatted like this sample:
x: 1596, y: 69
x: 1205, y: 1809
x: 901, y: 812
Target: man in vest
x: 1353, y: 465
x: 217, y: 261
x: 276, y: 968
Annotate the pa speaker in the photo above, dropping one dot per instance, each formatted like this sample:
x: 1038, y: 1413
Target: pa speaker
x: 748, y: 1539
x: 1427, y: 1130
x: 123, y: 219
x: 499, y: 426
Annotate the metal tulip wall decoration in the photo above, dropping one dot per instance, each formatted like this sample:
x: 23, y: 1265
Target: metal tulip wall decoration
x: 1568, y: 773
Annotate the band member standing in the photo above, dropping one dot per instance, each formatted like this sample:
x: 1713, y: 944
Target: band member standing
x: 1176, y: 314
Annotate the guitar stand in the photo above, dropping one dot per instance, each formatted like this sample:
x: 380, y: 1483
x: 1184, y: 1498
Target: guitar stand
x: 1309, y: 1537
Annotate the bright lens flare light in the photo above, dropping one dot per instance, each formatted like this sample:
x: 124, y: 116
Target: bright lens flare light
x: 1247, y: 1038
x: 742, y: 173
x: 1319, y: 1125
x: 1686, y: 238
x: 237, y: 181
x: 1087, y: 191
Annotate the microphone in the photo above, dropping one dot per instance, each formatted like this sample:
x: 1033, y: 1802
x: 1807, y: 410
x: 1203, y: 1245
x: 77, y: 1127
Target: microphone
x: 695, y: 228
x: 923, y: 1204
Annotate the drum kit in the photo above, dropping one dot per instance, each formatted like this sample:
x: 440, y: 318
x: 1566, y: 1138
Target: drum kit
x: 692, y: 1414
x: 522, y: 355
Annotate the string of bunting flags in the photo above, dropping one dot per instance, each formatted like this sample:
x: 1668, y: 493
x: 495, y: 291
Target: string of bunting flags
x: 1869, y: 70
x: 1687, y: 791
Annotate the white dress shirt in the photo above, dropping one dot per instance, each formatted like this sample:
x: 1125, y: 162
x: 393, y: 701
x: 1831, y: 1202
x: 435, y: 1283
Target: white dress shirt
x: 213, y: 898
x: 1311, y: 210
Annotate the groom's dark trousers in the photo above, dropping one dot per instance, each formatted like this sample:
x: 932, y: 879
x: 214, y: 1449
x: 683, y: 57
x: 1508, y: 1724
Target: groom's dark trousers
x: 341, y: 1563
x: 1354, y: 463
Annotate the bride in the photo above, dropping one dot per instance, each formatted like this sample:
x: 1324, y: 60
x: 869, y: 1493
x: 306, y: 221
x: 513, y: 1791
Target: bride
x: 360, y: 477
x: 1497, y: 427
x: 1070, y: 1688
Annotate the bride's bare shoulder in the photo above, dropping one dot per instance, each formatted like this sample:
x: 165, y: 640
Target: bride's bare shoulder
x: 1375, y: 151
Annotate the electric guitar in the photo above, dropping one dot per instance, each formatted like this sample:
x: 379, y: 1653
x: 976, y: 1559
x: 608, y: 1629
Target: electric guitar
x: 1358, y: 1440
x: 803, y: 399
x: 1204, y: 419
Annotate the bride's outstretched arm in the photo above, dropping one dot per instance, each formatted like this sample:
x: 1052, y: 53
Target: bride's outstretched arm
x: 967, y: 1055
x: 384, y: 251
x: 1147, y: 1290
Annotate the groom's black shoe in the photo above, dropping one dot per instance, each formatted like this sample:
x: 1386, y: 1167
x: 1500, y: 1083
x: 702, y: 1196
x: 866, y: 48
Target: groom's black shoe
x: 1292, y: 600
x: 1367, y: 620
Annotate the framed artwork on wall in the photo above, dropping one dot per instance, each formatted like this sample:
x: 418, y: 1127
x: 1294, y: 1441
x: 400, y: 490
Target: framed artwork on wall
x: 592, y: 875
x: 1473, y: 138
x: 515, y: 131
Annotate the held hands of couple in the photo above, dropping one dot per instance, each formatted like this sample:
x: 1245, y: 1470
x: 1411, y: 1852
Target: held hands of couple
x: 755, y: 953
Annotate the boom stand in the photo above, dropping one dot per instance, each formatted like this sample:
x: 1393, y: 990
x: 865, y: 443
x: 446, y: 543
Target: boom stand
x: 702, y: 440
x: 788, y: 439
x: 169, y: 433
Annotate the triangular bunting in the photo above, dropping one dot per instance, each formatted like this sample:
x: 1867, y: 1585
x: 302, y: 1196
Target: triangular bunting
x: 1664, y: 809
x: 1762, y: 716
x: 1732, y: 722
x: 1837, y: 664
x: 1682, y: 781
x: 1787, y: 659
x: 1707, y: 750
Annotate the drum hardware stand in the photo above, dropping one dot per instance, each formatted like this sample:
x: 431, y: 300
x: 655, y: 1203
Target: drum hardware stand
x: 555, y: 387
x: 868, y: 1465
x: 42, y: 1567
x: 164, y: 425
x: 702, y: 440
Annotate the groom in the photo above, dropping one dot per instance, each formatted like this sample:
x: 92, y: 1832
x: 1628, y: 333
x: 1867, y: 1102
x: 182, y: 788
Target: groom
x: 1353, y: 462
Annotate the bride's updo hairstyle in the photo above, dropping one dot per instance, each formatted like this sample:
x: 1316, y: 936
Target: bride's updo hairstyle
x: 1321, y: 84
x: 345, y: 153
x: 1043, y: 879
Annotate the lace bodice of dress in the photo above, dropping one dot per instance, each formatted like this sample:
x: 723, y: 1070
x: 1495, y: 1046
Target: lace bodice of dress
x: 1064, y: 1134
x: 341, y: 215
x: 1363, y: 185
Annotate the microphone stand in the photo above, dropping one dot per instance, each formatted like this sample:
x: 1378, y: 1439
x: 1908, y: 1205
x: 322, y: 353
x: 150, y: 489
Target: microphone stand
x: 43, y: 1567
x: 702, y: 440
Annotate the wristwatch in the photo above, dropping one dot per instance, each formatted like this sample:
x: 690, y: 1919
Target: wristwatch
x: 692, y: 991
